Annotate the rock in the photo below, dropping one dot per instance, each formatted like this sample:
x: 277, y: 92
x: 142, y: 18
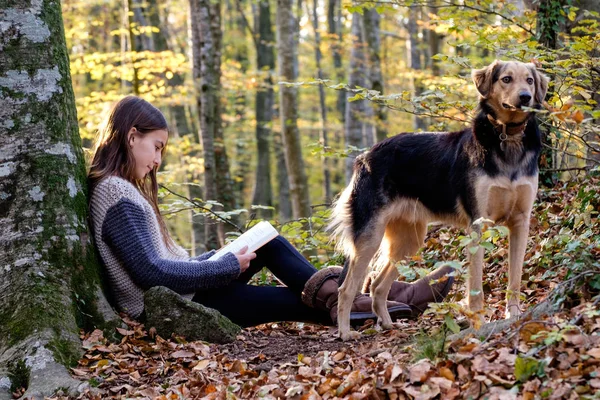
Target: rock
x: 170, y: 313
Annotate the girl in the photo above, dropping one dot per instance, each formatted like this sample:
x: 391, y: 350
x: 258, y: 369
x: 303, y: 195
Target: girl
x: 138, y: 252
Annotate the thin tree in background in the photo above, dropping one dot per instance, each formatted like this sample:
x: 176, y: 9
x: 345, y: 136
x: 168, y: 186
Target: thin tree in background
x: 323, y: 133
x: 334, y: 28
x: 129, y: 43
x: 288, y: 110
x: 372, y: 32
x: 206, y: 81
x: 413, y: 55
x: 354, y: 126
x: 264, y: 102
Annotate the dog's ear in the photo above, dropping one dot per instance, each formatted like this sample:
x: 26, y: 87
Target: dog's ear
x: 483, y: 78
x: 541, y: 83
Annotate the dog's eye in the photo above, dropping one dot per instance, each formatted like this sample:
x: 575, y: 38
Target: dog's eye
x: 530, y: 81
x: 506, y: 79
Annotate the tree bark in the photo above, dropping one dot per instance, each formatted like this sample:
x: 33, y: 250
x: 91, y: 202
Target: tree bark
x: 334, y: 25
x: 287, y: 57
x: 132, y: 45
x: 414, y: 61
x: 283, y: 182
x: 547, y: 30
x: 353, y: 131
x: 225, y: 193
x: 265, y: 98
x: 49, y: 276
x: 323, y: 134
x: 372, y: 21
x: 203, y: 59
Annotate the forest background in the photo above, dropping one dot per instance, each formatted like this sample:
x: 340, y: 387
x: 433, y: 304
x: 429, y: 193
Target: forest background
x: 283, y: 150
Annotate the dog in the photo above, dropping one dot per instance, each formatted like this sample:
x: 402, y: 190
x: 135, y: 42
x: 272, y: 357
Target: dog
x: 489, y: 170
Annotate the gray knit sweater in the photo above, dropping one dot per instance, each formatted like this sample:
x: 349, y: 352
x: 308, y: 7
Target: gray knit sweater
x: 128, y: 237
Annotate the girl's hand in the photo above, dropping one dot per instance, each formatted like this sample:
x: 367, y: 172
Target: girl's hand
x: 244, y: 258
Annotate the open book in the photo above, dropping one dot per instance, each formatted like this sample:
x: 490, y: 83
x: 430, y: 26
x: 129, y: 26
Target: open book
x: 255, y: 237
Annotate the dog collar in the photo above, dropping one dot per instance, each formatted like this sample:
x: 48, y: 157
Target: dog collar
x: 508, y: 131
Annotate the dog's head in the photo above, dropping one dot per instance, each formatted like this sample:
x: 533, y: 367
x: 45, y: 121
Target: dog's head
x: 508, y: 86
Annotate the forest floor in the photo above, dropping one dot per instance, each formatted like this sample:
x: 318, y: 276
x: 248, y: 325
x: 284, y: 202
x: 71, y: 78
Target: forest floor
x: 549, y: 356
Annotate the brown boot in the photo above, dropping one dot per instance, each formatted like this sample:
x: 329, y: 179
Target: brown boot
x: 432, y: 288
x: 321, y: 292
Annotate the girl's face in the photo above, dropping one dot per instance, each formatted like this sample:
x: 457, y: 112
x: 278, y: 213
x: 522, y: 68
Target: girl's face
x: 146, y: 149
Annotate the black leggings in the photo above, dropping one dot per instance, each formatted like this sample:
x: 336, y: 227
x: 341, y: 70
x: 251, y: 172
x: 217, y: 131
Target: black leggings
x: 249, y: 305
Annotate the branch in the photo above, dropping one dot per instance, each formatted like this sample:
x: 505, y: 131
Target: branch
x: 238, y: 3
x: 201, y: 207
x: 450, y: 5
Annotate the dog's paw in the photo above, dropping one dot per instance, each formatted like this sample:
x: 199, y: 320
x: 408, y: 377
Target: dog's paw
x: 350, y: 335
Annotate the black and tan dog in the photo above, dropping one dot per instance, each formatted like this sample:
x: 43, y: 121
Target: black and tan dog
x: 401, y: 184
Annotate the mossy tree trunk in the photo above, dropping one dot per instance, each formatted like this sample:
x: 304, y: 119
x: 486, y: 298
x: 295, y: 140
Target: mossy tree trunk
x: 49, y: 281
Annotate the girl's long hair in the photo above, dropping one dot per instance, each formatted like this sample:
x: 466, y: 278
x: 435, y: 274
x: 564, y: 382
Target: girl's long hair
x: 113, y: 157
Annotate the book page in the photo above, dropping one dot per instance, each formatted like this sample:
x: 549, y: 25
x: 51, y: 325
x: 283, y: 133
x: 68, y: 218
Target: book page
x: 256, y: 237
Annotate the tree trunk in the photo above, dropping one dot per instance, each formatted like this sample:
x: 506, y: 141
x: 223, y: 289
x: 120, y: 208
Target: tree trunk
x: 435, y: 41
x: 334, y: 25
x: 49, y: 277
x: 287, y: 56
x: 265, y: 97
x: 283, y: 182
x: 131, y: 40
x: 355, y: 110
x: 243, y: 153
x: 225, y: 194
x: 547, y: 29
x: 372, y: 32
x: 323, y: 136
x: 414, y: 61
x: 203, y: 59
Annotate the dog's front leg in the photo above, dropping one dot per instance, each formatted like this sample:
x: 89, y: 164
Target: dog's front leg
x: 517, y: 242
x: 475, y: 281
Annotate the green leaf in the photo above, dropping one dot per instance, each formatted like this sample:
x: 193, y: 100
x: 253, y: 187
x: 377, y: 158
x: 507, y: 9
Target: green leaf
x: 525, y: 368
x: 357, y: 96
x: 451, y: 324
x: 487, y: 245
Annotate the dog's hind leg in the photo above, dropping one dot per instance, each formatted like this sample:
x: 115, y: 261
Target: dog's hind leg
x: 366, y: 246
x: 401, y: 239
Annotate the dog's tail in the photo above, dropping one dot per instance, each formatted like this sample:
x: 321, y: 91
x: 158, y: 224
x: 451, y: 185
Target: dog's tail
x: 342, y: 217
x: 340, y: 224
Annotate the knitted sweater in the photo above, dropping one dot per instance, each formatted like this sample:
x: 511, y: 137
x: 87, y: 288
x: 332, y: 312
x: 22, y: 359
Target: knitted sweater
x: 128, y: 237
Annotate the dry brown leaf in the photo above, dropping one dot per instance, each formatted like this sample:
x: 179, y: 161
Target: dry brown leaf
x: 202, y: 364
x: 125, y: 332
x: 423, y: 392
x: 419, y: 371
x: 183, y: 354
x: 447, y: 373
x: 444, y: 384
x: 595, y: 352
x: 350, y: 382
x: 595, y: 383
x: 468, y: 348
x: 396, y: 372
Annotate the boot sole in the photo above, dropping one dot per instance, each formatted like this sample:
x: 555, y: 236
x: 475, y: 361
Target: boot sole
x: 397, y: 312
